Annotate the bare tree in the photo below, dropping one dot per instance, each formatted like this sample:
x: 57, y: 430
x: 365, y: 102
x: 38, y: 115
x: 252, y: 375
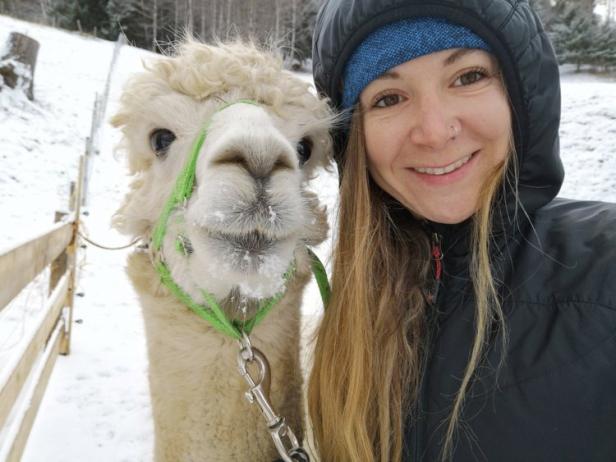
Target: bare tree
x: 189, y: 15
x: 154, y: 24
x: 293, y: 24
x: 228, y: 25
x: 277, y: 27
x: 611, y: 10
x: 251, y: 18
x: 30, y: 10
x: 45, y: 8
x: 176, y: 20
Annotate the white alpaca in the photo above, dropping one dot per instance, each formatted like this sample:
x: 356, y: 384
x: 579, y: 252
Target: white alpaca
x: 246, y: 223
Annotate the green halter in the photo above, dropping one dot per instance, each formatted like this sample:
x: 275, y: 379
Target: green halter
x: 211, y: 311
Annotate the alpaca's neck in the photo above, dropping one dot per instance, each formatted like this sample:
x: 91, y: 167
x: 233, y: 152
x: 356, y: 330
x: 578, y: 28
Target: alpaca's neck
x: 197, y: 393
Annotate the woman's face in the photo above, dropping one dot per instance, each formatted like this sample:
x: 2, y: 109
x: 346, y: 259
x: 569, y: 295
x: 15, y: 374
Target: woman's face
x: 436, y: 128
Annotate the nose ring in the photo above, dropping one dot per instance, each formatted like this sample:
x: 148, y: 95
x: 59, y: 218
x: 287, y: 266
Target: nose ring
x: 454, y: 131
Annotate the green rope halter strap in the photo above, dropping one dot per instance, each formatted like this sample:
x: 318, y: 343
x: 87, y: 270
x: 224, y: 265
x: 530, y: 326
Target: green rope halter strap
x: 211, y: 311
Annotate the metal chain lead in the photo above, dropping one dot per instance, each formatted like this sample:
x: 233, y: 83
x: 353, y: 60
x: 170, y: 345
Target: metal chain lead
x: 284, y: 439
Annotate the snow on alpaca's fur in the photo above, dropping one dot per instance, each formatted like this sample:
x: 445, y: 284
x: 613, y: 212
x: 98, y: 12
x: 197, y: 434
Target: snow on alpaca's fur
x: 248, y: 220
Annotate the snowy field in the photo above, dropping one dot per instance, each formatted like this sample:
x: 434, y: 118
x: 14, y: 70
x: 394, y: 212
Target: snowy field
x: 97, y: 402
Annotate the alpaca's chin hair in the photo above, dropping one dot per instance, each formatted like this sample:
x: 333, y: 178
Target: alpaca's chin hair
x: 252, y: 252
x: 240, y: 257
x: 216, y: 260
x: 254, y: 243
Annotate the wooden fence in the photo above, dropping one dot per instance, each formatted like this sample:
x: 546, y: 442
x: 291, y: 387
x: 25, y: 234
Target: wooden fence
x: 23, y: 381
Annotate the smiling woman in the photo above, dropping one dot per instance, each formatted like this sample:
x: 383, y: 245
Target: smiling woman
x: 468, y: 304
x: 436, y: 130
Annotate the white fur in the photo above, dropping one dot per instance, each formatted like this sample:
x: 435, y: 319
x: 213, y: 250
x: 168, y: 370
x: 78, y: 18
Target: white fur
x: 249, y: 219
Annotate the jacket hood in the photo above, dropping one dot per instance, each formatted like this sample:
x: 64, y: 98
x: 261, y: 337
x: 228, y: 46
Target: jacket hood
x: 517, y: 39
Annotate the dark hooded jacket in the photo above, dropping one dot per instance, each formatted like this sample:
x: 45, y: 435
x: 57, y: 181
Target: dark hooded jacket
x: 554, y: 398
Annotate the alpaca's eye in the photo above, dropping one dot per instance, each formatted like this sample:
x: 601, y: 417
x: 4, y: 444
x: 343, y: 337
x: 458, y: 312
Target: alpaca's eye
x: 160, y: 140
x: 304, y: 149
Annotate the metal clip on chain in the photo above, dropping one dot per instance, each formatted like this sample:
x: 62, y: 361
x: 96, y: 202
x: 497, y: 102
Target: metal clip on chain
x: 285, y: 440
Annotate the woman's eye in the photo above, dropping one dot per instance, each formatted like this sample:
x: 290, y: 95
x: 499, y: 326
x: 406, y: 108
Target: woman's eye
x: 160, y: 140
x: 388, y: 100
x: 304, y: 150
x: 471, y: 77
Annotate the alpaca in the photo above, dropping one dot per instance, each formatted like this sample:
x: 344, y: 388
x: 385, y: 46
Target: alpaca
x: 246, y: 223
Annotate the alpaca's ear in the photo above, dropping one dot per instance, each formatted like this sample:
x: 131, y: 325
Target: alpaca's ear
x: 127, y: 219
x: 119, y: 119
x: 316, y: 231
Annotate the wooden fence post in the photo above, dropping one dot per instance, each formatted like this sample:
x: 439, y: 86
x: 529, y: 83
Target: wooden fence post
x: 58, y: 266
x: 71, y: 197
x: 22, y: 50
x: 71, y: 252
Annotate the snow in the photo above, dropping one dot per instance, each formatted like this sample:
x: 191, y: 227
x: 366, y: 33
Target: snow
x: 97, y: 402
x: 588, y: 136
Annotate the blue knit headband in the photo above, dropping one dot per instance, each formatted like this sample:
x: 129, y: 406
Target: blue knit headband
x: 397, y: 43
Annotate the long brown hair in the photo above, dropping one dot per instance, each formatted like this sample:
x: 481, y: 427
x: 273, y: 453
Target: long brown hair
x: 370, y: 344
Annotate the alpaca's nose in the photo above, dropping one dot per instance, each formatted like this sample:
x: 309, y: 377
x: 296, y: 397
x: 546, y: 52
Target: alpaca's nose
x: 259, y: 159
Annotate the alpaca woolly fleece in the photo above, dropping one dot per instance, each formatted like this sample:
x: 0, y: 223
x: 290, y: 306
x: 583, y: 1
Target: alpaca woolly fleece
x: 247, y: 221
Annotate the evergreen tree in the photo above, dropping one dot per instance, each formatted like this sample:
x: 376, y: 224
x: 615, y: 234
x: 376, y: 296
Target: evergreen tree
x: 575, y: 31
x: 603, y: 51
x: 93, y: 17
x: 122, y: 16
x: 65, y: 13
x: 544, y: 10
x: 572, y: 33
x: 84, y: 15
x: 303, y: 40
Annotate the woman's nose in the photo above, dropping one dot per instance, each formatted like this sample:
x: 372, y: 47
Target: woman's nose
x: 434, y: 126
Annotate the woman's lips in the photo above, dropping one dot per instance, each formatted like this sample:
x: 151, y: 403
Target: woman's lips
x: 447, y: 174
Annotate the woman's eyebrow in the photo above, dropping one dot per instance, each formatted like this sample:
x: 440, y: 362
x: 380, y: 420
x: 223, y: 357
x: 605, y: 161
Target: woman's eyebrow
x: 453, y: 57
x: 388, y: 75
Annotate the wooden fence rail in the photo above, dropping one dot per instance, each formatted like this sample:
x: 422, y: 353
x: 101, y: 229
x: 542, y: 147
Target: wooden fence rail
x: 24, y: 379
x: 21, y: 265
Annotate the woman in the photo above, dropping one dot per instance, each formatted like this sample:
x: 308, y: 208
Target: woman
x: 473, y: 315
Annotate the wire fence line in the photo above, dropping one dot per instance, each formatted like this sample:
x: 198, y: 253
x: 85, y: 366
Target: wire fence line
x: 98, y: 116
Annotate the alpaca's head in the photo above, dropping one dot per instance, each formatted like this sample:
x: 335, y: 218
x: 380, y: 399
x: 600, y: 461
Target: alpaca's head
x: 249, y: 211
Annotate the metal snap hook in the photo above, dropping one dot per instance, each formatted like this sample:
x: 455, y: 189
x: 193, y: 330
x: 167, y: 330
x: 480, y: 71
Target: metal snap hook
x: 283, y: 437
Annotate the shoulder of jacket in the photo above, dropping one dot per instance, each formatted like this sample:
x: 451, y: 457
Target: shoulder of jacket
x: 569, y: 254
x: 566, y: 210
x: 566, y: 222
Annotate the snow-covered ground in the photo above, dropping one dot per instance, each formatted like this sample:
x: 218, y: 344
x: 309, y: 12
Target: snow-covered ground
x: 97, y: 404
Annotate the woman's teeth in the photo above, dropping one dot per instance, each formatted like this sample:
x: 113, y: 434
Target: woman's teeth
x: 443, y: 170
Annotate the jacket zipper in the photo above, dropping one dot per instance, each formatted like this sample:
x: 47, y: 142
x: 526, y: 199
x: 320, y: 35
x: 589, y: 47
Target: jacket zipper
x: 437, y: 256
